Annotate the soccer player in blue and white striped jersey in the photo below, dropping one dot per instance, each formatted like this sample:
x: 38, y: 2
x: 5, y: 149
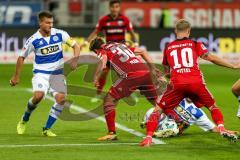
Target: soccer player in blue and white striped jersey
x: 48, y: 65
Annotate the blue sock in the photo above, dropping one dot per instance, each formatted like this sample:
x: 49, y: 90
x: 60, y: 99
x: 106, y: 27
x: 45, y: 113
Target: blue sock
x: 51, y: 120
x: 30, y: 109
x: 53, y: 115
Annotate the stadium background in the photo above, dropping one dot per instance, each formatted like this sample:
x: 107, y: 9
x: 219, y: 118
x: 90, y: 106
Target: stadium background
x: 215, y: 22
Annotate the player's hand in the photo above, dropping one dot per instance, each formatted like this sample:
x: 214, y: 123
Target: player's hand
x: 14, y: 80
x: 84, y: 44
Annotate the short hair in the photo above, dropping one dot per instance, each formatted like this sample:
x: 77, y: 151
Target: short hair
x: 96, y: 44
x: 44, y: 14
x: 111, y: 2
x: 182, y: 25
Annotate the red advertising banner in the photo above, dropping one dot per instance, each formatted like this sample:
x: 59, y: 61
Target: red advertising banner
x: 208, y: 15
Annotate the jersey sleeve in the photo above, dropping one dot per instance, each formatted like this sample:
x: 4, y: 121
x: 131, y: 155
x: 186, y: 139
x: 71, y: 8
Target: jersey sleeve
x: 27, y: 49
x: 67, y: 39
x: 99, y: 25
x: 201, y: 49
x: 164, y: 61
x: 129, y: 25
x: 101, y: 52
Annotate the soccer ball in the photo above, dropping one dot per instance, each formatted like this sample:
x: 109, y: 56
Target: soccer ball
x: 168, y: 128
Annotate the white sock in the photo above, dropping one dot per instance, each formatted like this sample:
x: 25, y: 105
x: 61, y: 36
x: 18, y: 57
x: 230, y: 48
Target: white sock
x: 56, y: 110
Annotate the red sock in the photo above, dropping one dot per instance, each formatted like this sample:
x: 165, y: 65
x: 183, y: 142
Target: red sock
x: 217, y: 116
x: 109, y: 111
x: 152, y: 123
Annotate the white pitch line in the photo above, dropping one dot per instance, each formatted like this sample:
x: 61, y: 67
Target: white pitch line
x: 63, y: 145
x: 119, y: 126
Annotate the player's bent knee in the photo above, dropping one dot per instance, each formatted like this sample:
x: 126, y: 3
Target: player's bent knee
x: 214, y: 106
x: 60, y: 98
x: 109, y: 104
x: 235, y: 89
x: 37, y: 97
x: 109, y: 99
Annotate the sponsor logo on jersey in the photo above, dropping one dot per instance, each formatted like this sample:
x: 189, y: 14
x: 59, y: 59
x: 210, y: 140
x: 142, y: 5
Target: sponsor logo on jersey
x: 55, y: 38
x: 185, y: 115
x: 50, y: 49
x: 40, y: 43
x: 114, y: 30
x: 120, y: 23
x: 40, y: 85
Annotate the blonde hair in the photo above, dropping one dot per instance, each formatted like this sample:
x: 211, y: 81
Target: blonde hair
x: 182, y: 25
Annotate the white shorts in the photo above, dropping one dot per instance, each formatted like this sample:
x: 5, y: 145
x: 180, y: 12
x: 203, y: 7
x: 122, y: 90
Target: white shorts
x: 52, y: 83
x: 204, y: 123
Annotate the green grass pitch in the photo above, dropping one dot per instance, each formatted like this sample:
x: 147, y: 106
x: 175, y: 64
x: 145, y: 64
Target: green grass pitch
x: 194, y: 144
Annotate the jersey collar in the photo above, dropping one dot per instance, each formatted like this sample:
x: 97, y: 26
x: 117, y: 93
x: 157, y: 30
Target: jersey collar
x: 184, y: 38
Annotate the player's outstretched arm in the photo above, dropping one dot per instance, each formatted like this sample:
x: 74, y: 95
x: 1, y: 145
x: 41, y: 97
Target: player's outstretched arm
x: 134, y: 38
x: 156, y: 73
x: 143, y: 53
x: 101, y: 65
x: 15, y: 78
x: 76, y: 52
x: 216, y: 60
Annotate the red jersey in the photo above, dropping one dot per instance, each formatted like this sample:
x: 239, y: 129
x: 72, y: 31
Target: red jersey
x: 114, y: 29
x: 123, y: 60
x: 182, y: 57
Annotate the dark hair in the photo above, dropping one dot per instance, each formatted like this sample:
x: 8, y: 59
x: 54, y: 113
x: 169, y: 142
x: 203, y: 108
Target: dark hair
x: 44, y: 14
x: 111, y: 2
x: 96, y: 44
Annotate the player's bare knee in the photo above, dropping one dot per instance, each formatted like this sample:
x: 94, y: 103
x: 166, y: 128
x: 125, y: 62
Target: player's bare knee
x: 214, y: 106
x: 37, y: 97
x: 236, y: 90
x: 109, y: 103
x: 108, y: 99
x: 60, y: 99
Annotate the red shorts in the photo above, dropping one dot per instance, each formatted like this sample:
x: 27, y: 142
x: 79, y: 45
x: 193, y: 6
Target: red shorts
x: 124, y: 87
x: 174, y: 94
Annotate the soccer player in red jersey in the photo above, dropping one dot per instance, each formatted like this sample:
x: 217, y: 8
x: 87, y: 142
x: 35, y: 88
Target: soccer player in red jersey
x: 180, y: 60
x: 114, y: 26
x: 133, y: 74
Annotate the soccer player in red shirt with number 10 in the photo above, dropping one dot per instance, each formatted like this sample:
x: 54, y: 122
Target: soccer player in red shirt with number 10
x: 180, y: 59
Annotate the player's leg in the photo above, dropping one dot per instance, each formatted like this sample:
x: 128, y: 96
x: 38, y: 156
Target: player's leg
x: 58, y: 89
x: 236, y: 92
x: 54, y: 114
x: 31, y: 106
x: 109, y: 106
x: 204, y: 97
x: 171, y: 98
x: 40, y: 87
x: 151, y: 126
x: 120, y: 89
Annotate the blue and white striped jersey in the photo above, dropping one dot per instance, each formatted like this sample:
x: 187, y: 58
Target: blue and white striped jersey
x: 48, y: 51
